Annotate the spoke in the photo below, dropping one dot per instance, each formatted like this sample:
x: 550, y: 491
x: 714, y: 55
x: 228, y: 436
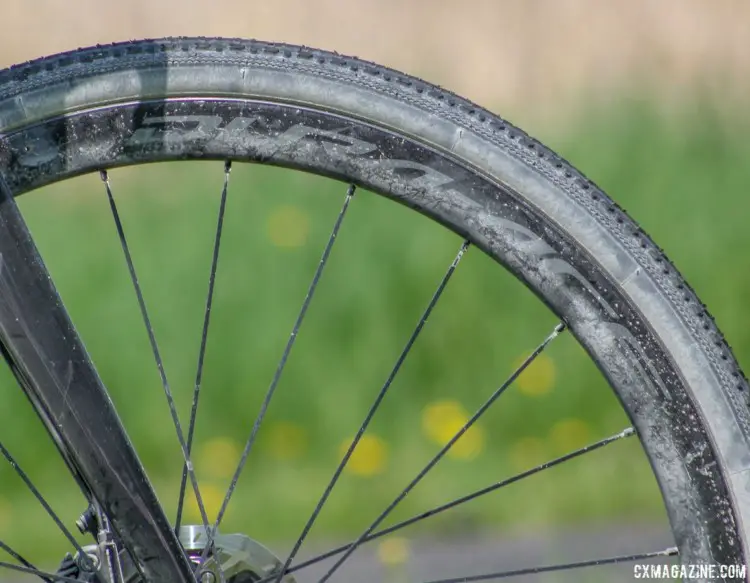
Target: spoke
x: 499, y: 391
x: 33, y: 571
x: 458, y: 501
x: 204, y: 338
x: 672, y: 551
x: 498, y: 485
x: 37, y: 494
x: 368, y: 418
x: 19, y: 558
x: 282, y: 363
x: 154, y: 347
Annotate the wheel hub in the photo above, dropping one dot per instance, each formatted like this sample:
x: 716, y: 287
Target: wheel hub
x: 242, y: 559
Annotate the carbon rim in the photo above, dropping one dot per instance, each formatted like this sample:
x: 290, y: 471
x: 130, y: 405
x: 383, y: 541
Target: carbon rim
x: 432, y: 183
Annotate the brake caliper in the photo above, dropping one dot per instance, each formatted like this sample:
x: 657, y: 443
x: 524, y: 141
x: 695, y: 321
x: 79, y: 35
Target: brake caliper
x: 242, y: 559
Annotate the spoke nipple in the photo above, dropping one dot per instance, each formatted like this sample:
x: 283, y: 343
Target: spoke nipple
x: 227, y: 166
x: 103, y: 175
x: 352, y: 189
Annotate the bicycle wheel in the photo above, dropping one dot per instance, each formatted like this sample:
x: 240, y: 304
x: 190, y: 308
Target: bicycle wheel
x: 458, y: 164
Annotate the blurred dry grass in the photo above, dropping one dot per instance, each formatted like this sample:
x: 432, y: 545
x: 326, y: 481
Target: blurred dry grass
x: 530, y: 55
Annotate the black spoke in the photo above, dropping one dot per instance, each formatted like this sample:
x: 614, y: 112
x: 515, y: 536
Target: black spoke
x: 672, y: 551
x: 378, y: 400
x: 38, y: 495
x: 458, y: 501
x: 499, y: 391
x: 498, y: 485
x: 19, y: 558
x: 34, y: 571
x: 154, y: 347
x: 282, y: 362
x: 204, y: 338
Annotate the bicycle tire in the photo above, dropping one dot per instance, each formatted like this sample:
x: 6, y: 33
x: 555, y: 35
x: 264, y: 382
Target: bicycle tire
x: 519, y: 202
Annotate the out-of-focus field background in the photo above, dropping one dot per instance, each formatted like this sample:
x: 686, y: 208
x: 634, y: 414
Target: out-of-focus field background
x: 647, y: 98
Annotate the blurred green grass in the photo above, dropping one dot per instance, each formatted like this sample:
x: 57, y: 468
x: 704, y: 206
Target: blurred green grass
x: 684, y: 177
